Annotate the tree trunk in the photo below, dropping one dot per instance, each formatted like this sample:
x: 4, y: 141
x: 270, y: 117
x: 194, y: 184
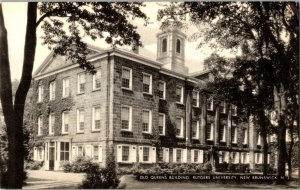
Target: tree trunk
x: 280, y: 106
x: 13, y: 113
x: 263, y: 127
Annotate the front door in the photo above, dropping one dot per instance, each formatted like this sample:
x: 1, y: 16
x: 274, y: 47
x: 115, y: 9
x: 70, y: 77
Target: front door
x: 51, y: 157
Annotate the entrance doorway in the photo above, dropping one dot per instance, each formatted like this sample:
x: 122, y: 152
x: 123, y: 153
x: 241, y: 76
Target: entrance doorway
x: 51, y: 156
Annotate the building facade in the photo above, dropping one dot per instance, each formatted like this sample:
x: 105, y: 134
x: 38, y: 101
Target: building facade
x: 143, y: 110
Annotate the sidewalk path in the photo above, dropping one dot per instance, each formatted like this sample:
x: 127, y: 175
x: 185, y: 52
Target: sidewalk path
x: 38, y: 179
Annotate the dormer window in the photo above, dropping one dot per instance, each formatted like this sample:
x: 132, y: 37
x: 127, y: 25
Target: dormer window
x: 178, y: 46
x: 164, y: 45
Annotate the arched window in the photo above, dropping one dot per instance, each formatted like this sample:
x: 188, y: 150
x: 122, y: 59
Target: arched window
x: 178, y: 46
x: 164, y: 45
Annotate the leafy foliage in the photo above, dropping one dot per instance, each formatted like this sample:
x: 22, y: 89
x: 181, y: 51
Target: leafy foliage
x: 80, y: 164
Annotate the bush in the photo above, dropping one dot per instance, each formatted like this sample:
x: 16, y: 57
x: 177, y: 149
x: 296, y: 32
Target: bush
x: 207, y: 167
x: 101, y: 178
x: 80, y: 164
x: 33, y: 165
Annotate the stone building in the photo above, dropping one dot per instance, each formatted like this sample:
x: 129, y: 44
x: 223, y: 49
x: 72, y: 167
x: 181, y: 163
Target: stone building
x: 145, y: 110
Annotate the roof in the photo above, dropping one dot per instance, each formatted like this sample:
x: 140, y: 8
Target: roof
x: 98, y: 52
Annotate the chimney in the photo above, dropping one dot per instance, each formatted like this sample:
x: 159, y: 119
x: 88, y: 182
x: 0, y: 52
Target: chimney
x: 135, y: 46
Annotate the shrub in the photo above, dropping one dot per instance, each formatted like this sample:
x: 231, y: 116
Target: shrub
x: 33, y: 165
x: 101, y: 178
x: 207, y: 167
x: 80, y: 164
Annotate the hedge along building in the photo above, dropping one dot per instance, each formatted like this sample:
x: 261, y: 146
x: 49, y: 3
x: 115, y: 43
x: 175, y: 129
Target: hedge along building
x: 145, y: 110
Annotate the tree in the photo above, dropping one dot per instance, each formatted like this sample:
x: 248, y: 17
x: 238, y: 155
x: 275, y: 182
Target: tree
x: 257, y: 28
x: 63, y: 25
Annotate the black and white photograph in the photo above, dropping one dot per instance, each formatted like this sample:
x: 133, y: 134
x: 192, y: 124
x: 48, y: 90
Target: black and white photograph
x: 149, y: 95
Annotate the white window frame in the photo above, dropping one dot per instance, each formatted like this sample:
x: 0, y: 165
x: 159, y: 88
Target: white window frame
x: 224, y: 108
x: 197, y: 98
x: 234, y: 140
x: 181, y: 95
x: 175, y: 155
x: 197, y: 130
x: 79, y: 82
x: 52, y: 90
x: 130, y: 78
x: 164, y: 92
x: 51, y: 115
x: 150, y: 85
x: 223, y: 139
x: 164, y: 123
x: 100, y: 153
x: 211, y: 106
x: 40, y: 126
x: 66, y: 83
x: 130, y: 118
x: 79, y: 110
x: 149, y: 122
x: 40, y: 93
x: 259, y: 139
x: 63, y: 122
x: 141, y: 154
x: 94, y: 79
x: 181, y: 127
x: 211, y: 138
x: 93, y: 118
x: 245, y: 141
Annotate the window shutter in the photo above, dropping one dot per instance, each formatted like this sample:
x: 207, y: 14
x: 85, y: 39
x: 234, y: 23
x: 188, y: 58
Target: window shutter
x: 35, y: 154
x: 43, y: 154
x: 100, y: 154
x: 130, y: 119
x: 166, y: 156
x: 150, y: 121
x: 184, y: 155
x: 153, y: 154
x: 140, y: 154
x: 268, y: 159
x: 237, y: 157
x: 119, y: 153
x: 201, y: 155
x: 211, y: 132
x: 132, y: 153
x: 192, y: 155
x: 247, y: 158
x: 226, y: 159
x: 261, y: 158
x: 174, y: 155
x: 88, y: 151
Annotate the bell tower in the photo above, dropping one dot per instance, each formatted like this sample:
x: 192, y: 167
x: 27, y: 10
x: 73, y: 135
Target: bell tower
x: 171, y: 49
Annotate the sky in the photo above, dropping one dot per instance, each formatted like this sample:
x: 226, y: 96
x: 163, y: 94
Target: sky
x: 15, y: 22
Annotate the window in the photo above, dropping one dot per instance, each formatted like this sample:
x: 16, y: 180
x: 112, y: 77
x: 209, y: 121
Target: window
x: 40, y: 153
x: 64, y: 151
x: 233, y: 110
x: 160, y: 155
x: 179, y: 127
x: 51, y: 124
x: 52, y: 88
x: 125, y: 153
x: 162, y: 90
x: 81, y: 151
x: 97, y: 80
x: 222, y: 134
x: 234, y: 134
x: 81, y: 83
x: 195, y: 130
x: 66, y: 87
x: 126, y: 78
x: 95, y: 153
x: 147, y: 121
x: 41, y: 93
x: 178, y: 46
x: 164, y: 45
x: 80, y: 120
x: 210, y: 104
x: 258, y: 139
x: 146, y: 153
x: 178, y: 155
x: 209, y: 131
x: 245, y: 132
x: 96, y: 119
x: 65, y: 122
x: 258, y: 158
x: 147, y: 83
x: 179, y: 94
x: 222, y: 107
x: 196, y: 156
x: 195, y: 99
x: 40, y: 125
x: 126, y: 118
x: 161, y: 123
x: 236, y: 157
